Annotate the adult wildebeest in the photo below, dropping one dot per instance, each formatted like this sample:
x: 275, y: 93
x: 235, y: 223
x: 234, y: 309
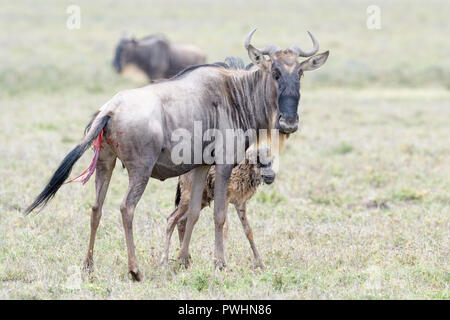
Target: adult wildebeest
x: 156, y: 56
x: 138, y: 125
x: 245, y: 179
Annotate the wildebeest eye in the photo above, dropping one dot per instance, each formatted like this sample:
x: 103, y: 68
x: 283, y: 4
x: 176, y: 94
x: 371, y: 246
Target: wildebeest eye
x: 276, y: 73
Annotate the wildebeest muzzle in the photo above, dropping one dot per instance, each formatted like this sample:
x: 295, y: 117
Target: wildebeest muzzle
x: 287, y: 121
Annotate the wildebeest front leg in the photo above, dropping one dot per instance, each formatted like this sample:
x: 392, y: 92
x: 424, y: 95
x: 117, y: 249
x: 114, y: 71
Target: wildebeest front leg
x: 241, y: 211
x: 223, y: 172
x: 104, y: 169
x: 198, y: 185
x: 137, y: 184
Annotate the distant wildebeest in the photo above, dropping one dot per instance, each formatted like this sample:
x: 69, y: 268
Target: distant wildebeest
x: 156, y: 56
x: 245, y: 179
x: 138, y: 126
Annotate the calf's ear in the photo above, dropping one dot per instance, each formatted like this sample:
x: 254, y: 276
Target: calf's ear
x: 314, y: 62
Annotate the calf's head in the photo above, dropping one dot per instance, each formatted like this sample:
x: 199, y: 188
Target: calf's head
x: 267, y: 173
x: 264, y: 160
x: 286, y: 71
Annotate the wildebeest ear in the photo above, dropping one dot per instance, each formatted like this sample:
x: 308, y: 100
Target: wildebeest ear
x: 315, y: 61
x: 257, y: 57
x: 254, y: 54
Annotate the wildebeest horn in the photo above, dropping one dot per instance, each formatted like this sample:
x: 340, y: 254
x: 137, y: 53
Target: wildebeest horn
x: 268, y: 50
x: 302, y: 53
x: 248, y: 39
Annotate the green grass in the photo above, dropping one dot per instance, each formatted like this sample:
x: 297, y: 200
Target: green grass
x: 359, y: 208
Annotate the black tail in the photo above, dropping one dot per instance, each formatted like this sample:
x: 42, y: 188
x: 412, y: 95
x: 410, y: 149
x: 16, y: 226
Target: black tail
x: 63, y: 171
x: 178, y: 195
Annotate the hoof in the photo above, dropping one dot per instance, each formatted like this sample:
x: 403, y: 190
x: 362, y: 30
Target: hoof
x: 164, y: 262
x: 136, y: 275
x: 260, y: 265
x: 185, y: 262
x: 220, y: 265
x: 88, y: 266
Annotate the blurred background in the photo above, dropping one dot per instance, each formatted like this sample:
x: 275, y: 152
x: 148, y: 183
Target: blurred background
x: 360, y: 205
x: 410, y: 50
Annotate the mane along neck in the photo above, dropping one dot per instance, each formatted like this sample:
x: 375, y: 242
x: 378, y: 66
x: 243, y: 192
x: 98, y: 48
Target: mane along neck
x: 252, y: 100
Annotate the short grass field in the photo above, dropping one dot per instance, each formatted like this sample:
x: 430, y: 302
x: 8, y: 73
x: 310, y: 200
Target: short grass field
x: 360, y: 205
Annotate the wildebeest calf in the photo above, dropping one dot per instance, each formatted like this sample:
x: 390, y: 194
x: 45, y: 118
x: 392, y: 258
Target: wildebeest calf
x: 156, y: 56
x: 244, y: 181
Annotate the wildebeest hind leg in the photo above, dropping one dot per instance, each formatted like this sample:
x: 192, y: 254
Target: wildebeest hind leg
x: 138, y: 179
x: 104, y: 169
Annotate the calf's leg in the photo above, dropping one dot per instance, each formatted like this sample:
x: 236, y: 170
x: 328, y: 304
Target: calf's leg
x: 198, y: 185
x: 241, y: 211
x: 172, y: 220
x: 181, y: 227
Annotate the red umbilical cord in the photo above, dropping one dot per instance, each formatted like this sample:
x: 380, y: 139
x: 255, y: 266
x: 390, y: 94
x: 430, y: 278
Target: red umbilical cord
x: 84, y: 177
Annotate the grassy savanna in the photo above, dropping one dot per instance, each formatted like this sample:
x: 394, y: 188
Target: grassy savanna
x: 360, y: 206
